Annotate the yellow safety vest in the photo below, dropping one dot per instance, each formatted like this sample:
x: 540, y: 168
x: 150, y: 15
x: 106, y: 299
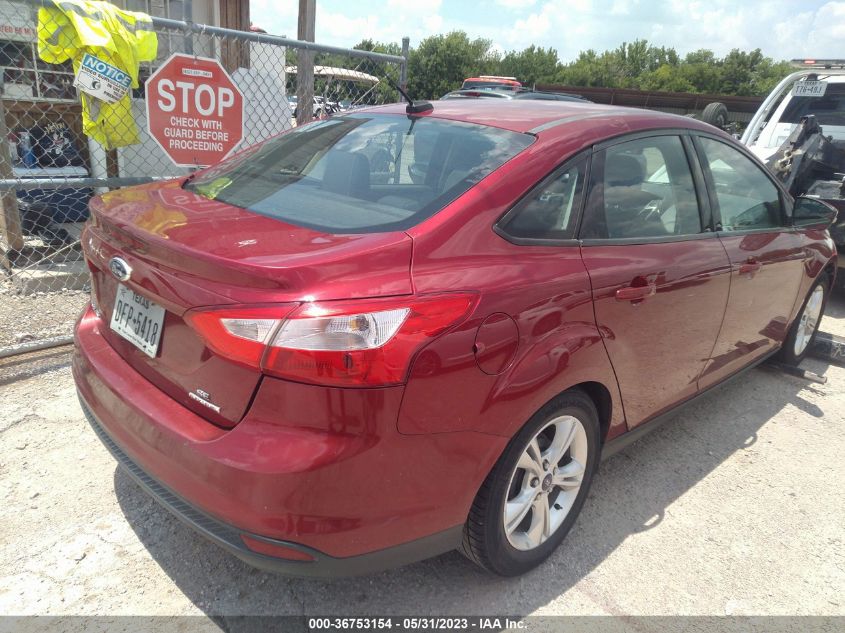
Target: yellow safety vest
x: 120, y: 38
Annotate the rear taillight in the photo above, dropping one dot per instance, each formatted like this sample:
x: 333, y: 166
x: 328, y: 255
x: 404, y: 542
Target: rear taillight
x: 363, y: 343
x: 240, y: 334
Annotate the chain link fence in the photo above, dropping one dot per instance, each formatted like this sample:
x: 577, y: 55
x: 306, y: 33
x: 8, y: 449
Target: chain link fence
x: 59, y: 147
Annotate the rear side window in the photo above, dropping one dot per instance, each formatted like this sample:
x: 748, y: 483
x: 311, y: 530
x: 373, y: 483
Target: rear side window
x: 747, y: 198
x: 361, y: 173
x: 642, y: 189
x: 829, y: 109
x: 550, y: 211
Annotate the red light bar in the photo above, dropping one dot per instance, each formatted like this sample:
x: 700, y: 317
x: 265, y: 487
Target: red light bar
x: 819, y: 63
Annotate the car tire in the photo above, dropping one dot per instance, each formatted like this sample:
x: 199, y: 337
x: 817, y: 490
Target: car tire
x: 495, y: 536
x: 715, y: 114
x: 800, y: 336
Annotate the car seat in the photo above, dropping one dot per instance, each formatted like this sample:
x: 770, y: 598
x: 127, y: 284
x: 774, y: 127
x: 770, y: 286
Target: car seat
x: 625, y: 200
x: 347, y: 174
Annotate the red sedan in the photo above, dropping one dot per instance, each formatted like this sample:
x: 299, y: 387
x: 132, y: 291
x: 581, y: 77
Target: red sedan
x: 387, y: 335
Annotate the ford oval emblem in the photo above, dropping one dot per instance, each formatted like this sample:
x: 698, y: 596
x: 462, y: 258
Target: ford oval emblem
x: 120, y: 269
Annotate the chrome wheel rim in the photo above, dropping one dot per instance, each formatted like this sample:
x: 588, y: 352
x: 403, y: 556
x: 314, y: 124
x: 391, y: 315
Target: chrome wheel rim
x: 545, y: 482
x: 809, y: 320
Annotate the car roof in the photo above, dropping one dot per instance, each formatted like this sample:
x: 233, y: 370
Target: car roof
x: 536, y: 116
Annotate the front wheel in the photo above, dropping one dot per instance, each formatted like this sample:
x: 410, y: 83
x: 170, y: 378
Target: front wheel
x: 534, y: 493
x: 800, y: 336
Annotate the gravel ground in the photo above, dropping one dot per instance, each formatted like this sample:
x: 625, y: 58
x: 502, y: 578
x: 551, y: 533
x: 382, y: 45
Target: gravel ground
x: 27, y: 318
x: 735, y: 507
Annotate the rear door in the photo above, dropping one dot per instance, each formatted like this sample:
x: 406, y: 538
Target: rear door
x: 659, y: 273
x: 765, y: 252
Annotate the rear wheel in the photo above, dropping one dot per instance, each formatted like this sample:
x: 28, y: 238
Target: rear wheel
x: 534, y: 493
x: 806, y: 324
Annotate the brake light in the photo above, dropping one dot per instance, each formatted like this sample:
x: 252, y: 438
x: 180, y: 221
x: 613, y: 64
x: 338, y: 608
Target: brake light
x: 364, y: 343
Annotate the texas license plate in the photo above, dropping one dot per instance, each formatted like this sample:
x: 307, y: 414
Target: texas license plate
x: 138, y: 320
x: 809, y: 88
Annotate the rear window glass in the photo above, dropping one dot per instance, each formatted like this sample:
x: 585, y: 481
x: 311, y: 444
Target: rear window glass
x: 361, y: 173
x: 829, y: 108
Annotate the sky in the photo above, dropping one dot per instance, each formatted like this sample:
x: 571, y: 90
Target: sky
x: 782, y: 29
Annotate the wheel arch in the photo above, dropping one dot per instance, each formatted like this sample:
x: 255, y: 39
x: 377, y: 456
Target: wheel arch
x: 830, y: 271
x: 600, y: 395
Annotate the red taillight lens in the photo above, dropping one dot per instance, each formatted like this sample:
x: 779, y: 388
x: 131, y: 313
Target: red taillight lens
x: 240, y: 334
x: 360, y: 343
x: 363, y: 343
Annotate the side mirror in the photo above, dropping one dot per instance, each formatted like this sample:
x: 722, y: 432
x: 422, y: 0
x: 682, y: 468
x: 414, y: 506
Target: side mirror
x: 813, y: 213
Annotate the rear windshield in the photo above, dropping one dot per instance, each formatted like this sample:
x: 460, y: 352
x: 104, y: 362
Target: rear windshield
x: 829, y: 108
x: 360, y: 173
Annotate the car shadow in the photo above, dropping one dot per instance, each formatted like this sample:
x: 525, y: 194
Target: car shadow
x: 630, y: 495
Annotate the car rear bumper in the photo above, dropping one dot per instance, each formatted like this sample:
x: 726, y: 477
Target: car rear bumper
x: 321, y: 471
x: 231, y: 538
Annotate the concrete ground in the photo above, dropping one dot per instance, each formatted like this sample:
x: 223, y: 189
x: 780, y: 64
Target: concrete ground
x: 737, y: 506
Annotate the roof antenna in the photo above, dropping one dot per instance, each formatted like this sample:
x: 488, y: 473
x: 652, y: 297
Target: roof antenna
x: 414, y: 107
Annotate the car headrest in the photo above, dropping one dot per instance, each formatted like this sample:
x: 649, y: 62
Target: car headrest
x: 623, y: 170
x: 347, y: 174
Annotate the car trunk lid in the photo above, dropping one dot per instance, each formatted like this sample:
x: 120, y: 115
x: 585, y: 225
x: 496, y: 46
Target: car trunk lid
x: 186, y: 251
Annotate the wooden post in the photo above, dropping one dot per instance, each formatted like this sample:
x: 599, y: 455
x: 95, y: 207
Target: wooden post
x: 11, y: 218
x: 403, y: 73
x: 305, y: 62
x: 234, y: 53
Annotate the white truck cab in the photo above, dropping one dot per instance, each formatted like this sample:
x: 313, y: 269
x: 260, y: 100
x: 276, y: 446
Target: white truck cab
x: 818, y: 88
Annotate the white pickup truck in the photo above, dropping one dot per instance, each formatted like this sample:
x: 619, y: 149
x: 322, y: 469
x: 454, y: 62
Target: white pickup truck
x: 799, y: 132
x: 817, y: 89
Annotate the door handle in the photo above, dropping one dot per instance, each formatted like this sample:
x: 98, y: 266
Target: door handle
x: 750, y: 267
x: 636, y: 293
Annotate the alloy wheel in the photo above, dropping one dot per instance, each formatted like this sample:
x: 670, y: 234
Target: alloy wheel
x: 809, y: 320
x: 545, y: 483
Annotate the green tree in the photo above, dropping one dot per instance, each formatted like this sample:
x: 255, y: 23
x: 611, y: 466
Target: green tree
x: 643, y: 66
x: 751, y: 73
x: 666, y: 78
x: 591, y: 69
x: 531, y: 65
x: 702, y: 70
x: 738, y: 71
x: 441, y: 62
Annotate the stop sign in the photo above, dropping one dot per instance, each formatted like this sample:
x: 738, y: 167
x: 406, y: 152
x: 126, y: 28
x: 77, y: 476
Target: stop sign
x: 195, y: 112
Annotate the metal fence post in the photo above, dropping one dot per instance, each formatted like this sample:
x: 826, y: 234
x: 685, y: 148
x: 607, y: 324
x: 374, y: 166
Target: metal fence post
x: 11, y: 228
x: 403, y: 71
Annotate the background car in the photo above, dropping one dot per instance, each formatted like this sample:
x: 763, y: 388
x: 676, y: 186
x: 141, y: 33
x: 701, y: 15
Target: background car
x: 330, y: 367
x: 491, y: 81
x: 496, y: 93
x: 320, y: 107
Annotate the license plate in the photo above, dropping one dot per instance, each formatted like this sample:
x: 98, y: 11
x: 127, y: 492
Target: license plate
x: 809, y: 88
x: 138, y: 320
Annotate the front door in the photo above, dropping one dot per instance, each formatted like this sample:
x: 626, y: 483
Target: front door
x: 766, y: 257
x: 659, y: 274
